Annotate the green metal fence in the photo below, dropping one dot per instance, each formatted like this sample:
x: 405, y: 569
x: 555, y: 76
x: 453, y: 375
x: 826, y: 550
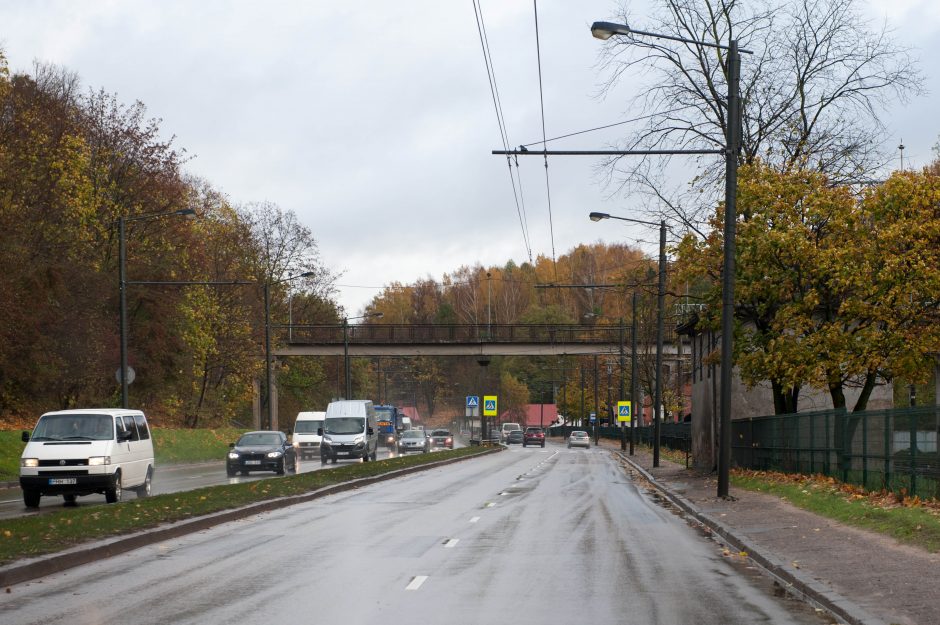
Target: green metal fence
x: 893, y: 449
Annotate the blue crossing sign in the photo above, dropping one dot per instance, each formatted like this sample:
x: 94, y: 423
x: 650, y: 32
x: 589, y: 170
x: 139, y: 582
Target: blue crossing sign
x: 624, y: 411
x: 473, y: 401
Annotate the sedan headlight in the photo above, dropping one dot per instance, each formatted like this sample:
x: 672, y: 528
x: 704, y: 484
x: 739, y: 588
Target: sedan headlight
x: 233, y: 455
x: 29, y: 462
x: 275, y: 454
x: 97, y: 461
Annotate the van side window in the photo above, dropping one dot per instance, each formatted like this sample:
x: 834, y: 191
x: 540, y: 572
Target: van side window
x: 127, y: 424
x: 142, y: 428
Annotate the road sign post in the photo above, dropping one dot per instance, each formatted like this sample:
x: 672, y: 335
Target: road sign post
x: 489, y: 406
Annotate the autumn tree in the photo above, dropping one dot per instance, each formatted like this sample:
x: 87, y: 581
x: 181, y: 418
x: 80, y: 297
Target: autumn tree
x: 813, y: 91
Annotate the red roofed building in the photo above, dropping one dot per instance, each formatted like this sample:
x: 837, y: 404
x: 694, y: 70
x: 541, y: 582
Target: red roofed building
x: 536, y: 415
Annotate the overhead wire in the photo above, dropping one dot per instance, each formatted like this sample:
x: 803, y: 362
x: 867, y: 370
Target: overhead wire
x: 548, y: 189
x: 504, y: 135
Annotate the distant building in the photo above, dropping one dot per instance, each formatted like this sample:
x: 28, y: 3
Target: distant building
x: 536, y: 415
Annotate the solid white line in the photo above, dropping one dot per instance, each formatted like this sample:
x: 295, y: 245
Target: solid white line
x: 416, y: 582
x: 475, y: 519
x: 450, y: 544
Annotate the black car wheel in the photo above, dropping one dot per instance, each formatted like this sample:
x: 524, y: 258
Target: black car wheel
x: 31, y: 498
x: 113, y: 495
x: 282, y: 467
x: 69, y: 499
x: 230, y: 471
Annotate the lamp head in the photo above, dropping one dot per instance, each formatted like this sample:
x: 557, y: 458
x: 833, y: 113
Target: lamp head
x: 189, y: 213
x: 606, y: 30
x: 598, y: 216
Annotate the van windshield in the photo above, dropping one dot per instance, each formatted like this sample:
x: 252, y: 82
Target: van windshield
x: 344, y: 425
x: 307, y: 427
x: 74, y: 427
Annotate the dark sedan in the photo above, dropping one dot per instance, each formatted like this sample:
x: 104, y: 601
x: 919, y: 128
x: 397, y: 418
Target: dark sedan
x: 442, y: 438
x: 414, y: 440
x: 266, y: 450
x: 533, y: 436
x: 514, y: 436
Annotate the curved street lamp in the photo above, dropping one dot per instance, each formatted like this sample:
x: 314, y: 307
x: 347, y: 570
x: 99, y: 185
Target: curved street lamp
x: 268, y: 361
x: 122, y: 287
x: 346, y: 320
x: 732, y: 148
x: 660, y: 321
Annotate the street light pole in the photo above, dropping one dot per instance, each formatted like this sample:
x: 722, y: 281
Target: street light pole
x: 346, y: 320
x: 268, y: 360
x: 122, y: 287
x: 635, y: 407
x: 660, y: 323
x: 732, y: 148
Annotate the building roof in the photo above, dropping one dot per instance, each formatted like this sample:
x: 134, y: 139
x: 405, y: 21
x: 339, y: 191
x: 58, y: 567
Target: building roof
x: 536, y: 415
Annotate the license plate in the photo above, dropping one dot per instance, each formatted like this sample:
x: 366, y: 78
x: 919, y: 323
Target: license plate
x: 59, y: 481
x: 342, y: 453
x: 252, y: 462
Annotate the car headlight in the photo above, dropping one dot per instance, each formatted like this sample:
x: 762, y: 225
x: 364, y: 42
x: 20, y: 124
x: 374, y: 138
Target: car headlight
x: 359, y: 440
x: 327, y: 440
x: 97, y: 461
x: 275, y: 454
x: 29, y: 462
x: 233, y: 455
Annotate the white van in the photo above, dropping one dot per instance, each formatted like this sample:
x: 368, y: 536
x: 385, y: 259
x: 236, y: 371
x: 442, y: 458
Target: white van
x: 305, y: 438
x: 349, y: 431
x: 506, y: 429
x: 405, y: 424
x: 85, y: 451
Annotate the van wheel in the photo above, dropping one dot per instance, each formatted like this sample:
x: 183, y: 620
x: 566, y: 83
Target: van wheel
x: 375, y: 454
x: 333, y: 460
x: 113, y: 495
x: 69, y: 499
x: 146, y: 489
x: 322, y: 460
x: 31, y: 498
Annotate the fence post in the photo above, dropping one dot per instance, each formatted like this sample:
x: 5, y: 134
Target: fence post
x: 889, y: 417
x: 913, y: 428
x: 843, y: 445
x: 812, y: 444
x: 827, y: 468
x: 865, y: 451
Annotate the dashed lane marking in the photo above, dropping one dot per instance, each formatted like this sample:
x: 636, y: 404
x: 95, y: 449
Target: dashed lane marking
x: 416, y: 582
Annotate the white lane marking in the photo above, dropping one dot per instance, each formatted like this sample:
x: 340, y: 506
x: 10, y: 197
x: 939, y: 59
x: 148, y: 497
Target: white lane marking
x: 416, y: 582
x: 450, y: 544
x: 475, y: 519
x: 489, y: 505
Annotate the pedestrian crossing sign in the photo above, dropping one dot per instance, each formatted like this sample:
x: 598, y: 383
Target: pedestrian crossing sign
x: 489, y: 405
x: 624, y: 411
x: 473, y: 401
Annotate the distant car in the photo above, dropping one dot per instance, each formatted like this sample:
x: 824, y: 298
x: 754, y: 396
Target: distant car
x: 579, y: 438
x: 414, y: 440
x: 514, y: 436
x: 505, y: 429
x: 533, y: 436
x: 442, y: 438
x: 264, y: 450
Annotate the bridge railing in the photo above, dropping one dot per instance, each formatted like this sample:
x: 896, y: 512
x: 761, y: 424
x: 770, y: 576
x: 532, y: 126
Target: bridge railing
x: 450, y: 333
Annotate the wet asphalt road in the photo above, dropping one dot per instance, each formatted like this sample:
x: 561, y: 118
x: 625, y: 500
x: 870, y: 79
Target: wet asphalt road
x: 167, y: 479
x: 537, y: 536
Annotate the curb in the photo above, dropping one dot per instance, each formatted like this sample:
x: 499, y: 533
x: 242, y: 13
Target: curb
x: 798, y: 583
x: 46, y: 565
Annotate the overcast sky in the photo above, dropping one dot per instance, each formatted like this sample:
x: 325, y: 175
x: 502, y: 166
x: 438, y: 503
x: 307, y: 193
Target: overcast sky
x: 373, y: 120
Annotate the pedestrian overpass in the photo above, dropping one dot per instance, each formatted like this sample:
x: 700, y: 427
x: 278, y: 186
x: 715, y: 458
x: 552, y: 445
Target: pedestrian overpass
x: 372, y: 340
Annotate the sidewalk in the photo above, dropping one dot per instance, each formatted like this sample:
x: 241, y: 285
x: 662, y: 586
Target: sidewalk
x: 860, y: 576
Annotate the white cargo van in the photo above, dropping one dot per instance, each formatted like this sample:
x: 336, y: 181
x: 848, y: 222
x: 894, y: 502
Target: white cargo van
x: 349, y: 431
x: 305, y: 438
x: 506, y: 429
x: 405, y: 424
x: 85, y: 451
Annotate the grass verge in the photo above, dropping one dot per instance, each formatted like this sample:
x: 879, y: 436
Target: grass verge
x: 48, y: 533
x: 906, y: 519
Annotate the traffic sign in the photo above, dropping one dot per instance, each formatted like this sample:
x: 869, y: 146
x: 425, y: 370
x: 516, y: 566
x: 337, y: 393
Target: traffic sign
x: 473, y: 401
x: 593, y: 417
x: 624, y: 411
x: 489, y: 406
